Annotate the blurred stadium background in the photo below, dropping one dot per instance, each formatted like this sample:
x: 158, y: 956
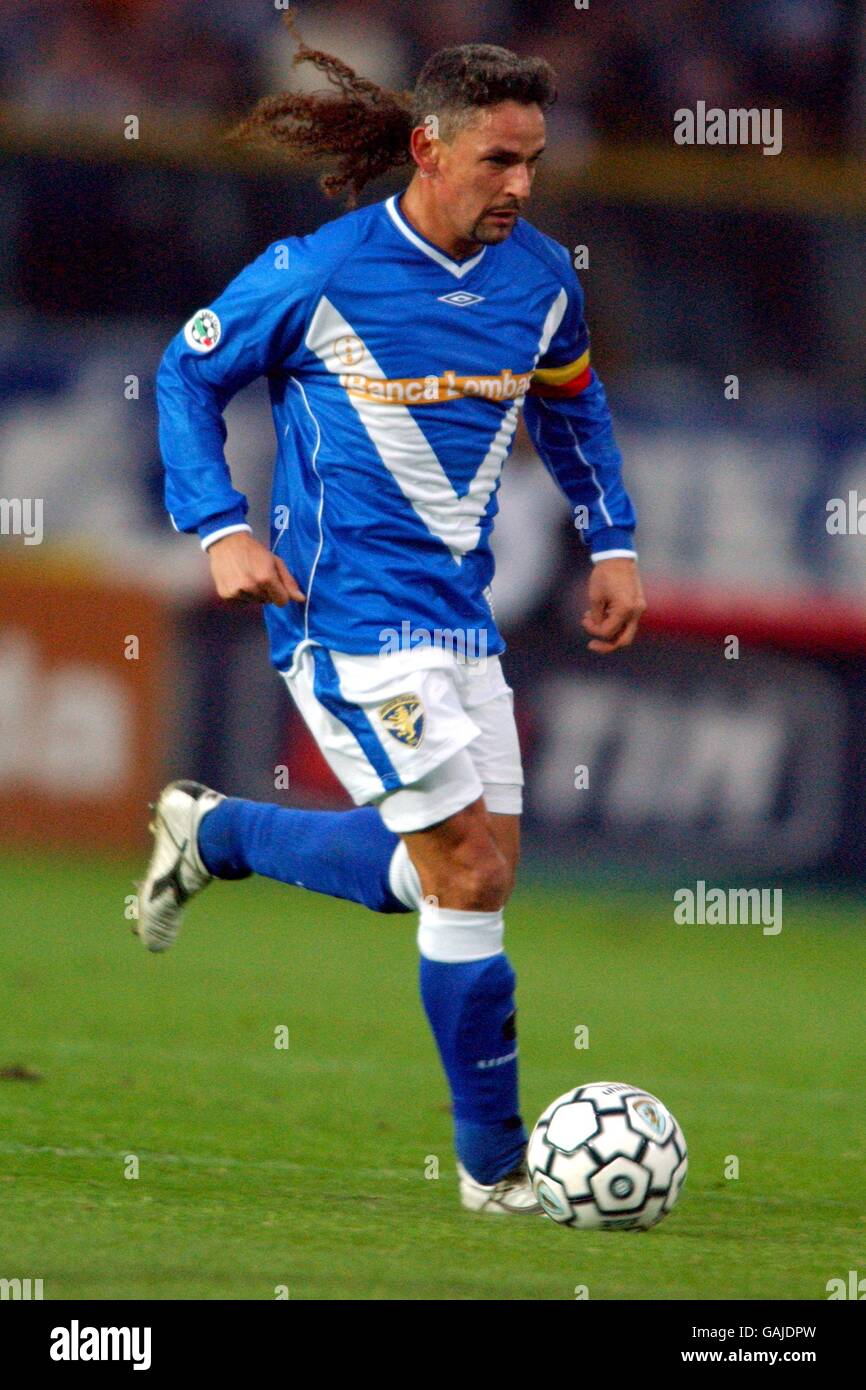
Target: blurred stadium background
x: 702, y: 263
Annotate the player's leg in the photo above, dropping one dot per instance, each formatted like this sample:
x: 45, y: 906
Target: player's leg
x: 505, y: 830
x: 486, y: 1145
x: 459, y: 862
x: 373, y: 743
x: 489, y: 702
x: 467, y: 982
x: 201, y: 835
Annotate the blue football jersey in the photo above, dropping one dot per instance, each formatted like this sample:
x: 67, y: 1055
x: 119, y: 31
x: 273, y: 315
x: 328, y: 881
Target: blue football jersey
x: 396, y: 377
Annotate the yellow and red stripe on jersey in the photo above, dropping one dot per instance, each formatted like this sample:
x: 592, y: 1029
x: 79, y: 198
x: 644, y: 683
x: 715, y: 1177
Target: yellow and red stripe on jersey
x: 562, y: 382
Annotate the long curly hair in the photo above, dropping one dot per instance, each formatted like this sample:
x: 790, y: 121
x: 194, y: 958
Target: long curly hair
x: 362, y: 130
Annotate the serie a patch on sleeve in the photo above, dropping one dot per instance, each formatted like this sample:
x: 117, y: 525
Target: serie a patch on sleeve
x: 203, y: 331
x: 562, y: 382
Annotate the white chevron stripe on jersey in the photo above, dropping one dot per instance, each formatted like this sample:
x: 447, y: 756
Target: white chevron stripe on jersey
x: 403, y: 447
x: 553, y: 319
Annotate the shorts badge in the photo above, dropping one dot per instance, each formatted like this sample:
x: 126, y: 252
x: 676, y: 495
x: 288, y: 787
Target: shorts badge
x: 403, y: 716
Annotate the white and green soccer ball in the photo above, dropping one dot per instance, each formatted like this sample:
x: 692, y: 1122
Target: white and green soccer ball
x: 607, y: 1157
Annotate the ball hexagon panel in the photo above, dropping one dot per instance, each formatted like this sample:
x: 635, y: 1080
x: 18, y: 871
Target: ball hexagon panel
x: 574, y: 1171
x: 649, y: 1117
x: 620, y: 1187
x: 677, y: 1181
x: 653, y: 1211
x: 553, y: 1198
x: 571, y: 1125
x: 555, y: 1104
x: 616, y: 1137
x: 589, y: 1218
x: 662, y: 1162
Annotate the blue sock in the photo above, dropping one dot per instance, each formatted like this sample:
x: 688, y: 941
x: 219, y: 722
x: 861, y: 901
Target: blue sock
x: 471, y: 1010
x: 345, y: 854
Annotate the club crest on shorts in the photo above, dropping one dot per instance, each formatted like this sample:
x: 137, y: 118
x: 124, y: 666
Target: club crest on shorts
x: 403, y: 716
x: 202, y: 333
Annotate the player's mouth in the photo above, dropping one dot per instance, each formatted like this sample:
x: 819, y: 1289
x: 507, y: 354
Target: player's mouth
x: 502, y: 214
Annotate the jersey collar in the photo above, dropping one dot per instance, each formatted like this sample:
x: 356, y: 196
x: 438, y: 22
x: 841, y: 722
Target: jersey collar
x: 457, y: 268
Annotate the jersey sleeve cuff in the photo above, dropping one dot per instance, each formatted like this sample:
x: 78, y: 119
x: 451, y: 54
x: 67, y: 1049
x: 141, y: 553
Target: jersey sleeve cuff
x: 223, y: 525
x: 611, y: 543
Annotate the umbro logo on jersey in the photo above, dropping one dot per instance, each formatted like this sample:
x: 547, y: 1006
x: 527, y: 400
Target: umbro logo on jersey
x: 460, y: 297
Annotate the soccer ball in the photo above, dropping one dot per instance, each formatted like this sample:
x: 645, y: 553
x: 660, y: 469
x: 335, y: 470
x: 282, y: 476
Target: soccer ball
x: 607, y: 1157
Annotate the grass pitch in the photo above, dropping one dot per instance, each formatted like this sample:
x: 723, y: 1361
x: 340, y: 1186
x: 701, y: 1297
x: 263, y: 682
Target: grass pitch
x: 304, y: 1167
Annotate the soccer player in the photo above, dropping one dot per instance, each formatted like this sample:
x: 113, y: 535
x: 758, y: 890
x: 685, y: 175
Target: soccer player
x: 400, y: 342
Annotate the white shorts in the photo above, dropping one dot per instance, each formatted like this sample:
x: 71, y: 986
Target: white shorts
x: 419, y: 732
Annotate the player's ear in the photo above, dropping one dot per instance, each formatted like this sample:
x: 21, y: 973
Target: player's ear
x: 422, y: 144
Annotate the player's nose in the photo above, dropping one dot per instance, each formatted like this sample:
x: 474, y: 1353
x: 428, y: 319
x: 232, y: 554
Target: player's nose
x: 519, y: 183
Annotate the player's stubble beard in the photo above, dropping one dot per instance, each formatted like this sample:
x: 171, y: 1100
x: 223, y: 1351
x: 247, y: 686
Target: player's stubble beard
x: 490, y: 233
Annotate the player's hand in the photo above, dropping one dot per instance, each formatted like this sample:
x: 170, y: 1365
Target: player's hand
x: 616, y: 601
x: 245, y: 571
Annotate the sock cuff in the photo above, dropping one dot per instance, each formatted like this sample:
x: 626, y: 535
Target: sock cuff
x: 451, y: 936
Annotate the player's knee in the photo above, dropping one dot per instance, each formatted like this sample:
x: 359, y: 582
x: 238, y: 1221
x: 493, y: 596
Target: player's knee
x: 481, y: 875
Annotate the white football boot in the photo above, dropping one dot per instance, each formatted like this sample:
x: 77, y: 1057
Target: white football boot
x: 511, y: 1195
x: 175, y: 872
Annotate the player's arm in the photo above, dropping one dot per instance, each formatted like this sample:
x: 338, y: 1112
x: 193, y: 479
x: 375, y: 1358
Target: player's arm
x: 251, y: 326
x: 569, y: 422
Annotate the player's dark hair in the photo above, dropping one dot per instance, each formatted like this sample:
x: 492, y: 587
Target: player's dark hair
x: 364, y: 129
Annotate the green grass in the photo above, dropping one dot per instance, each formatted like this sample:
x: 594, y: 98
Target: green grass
x: 305, y: 1167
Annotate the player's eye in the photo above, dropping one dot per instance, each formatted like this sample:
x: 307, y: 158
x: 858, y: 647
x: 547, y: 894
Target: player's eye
x: 506, y: 160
